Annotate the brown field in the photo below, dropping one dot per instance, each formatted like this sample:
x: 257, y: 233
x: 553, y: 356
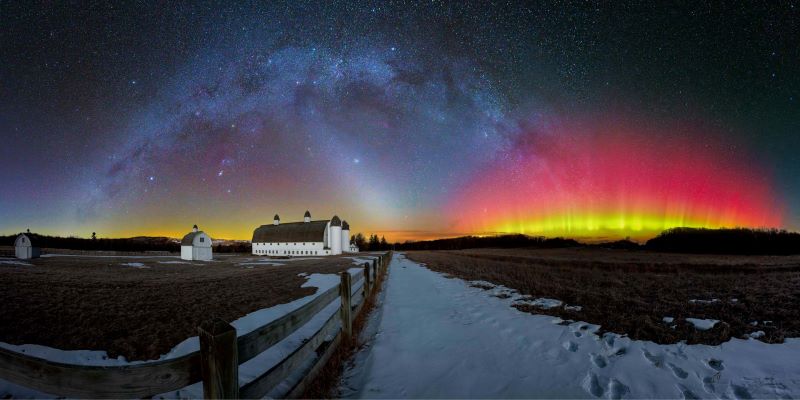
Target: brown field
x: 629, y: 292
x: 93, y: 303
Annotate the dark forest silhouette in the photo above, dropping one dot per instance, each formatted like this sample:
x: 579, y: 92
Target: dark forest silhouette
x: 134, y: 244
x: 726, y: 241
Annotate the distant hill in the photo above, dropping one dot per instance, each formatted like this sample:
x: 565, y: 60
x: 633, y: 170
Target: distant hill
x: 726, y: 241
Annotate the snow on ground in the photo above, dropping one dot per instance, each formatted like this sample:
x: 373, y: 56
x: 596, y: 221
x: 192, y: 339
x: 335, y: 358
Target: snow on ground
x: 362, y: 259
x: 542, y: 303
x: 134, y: 265
x: 13, y: 261
x: 701, y: 301
x: 504, y: 292
x: 434, y: 337
x: 246, y: 324
x: 173, y: 262
x: 702, y: 324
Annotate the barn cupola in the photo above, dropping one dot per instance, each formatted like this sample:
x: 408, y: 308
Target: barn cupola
x: 276, y: 220
x: 307, y: 217
x: 194, y: 228
x: 335, y: 221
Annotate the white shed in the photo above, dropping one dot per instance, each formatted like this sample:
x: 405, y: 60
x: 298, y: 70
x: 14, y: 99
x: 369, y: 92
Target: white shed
x: 26, y: 246
x: 196, y: 245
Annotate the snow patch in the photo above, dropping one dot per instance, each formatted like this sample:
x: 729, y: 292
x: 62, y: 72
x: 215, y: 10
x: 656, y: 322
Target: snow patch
x: 541, y: 302
x: 362, y: 259
x: 702, y: 324
x: 14, y: 262
x: 134, y: 265
x: 668, y: 320
x: 699, y: 301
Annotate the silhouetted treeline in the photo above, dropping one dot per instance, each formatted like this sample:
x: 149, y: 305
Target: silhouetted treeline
x: 75, y: 243
x: 372, y: 244
x: 502, y: 241
x: 135, y: 244
x: 625, y: 244
x: 726, y: 241
x: 237, y: 247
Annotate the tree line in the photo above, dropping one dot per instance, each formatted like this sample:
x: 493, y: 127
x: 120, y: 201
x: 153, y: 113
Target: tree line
x: 135, y: 244
x: 371, y: 244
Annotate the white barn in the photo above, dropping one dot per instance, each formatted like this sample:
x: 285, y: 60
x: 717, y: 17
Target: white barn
x: 307, y: 238
x: 196, y: 245
x: 26, y: 246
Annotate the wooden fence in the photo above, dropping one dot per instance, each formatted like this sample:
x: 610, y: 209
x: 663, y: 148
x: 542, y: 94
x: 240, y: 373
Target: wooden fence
x: 216, y: 364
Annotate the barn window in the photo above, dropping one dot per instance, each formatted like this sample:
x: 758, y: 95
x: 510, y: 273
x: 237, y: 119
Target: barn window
x: 202, y: 239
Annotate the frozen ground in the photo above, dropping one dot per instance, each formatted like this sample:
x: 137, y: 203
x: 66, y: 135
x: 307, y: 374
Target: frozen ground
x: 435, y: 337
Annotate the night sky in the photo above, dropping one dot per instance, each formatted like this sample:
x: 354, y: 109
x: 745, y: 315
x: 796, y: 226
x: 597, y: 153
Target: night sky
x: 409, y: 119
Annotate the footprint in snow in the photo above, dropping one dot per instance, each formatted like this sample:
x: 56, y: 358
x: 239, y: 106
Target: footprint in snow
x: 599, y: 386
x: 740, y: 392
x: 616, y: 389
x: 709, y: 381
x: 593, y: 385
x: 678, y: 371
x: 577, y: 334
x: 570, y: 345
x: 687, y: 394
x: 657, y: 361
x: 598, y: 360
x: 608, y: 339
x: 716, y: 364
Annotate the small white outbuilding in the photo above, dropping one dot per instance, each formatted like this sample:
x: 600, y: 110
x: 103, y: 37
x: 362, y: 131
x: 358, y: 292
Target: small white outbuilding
x: 196, y: 245
x: 26, y: 246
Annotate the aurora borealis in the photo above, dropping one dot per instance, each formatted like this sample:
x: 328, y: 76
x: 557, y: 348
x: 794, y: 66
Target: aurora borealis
x: 599, y: 178
x: 413, y: 120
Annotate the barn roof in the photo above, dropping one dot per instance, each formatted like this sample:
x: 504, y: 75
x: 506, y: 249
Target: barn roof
x: 335, y: 221
x: 35, y: 239
x: 345, y: 226
x: 313, y: 231
x: 188, y: 240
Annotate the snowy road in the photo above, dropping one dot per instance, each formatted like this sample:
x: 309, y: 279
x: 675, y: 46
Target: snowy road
x: 440, y: 338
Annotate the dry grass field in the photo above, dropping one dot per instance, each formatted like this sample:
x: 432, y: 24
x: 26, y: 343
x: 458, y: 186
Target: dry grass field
x: 630, y: 292
x: 140, y: 307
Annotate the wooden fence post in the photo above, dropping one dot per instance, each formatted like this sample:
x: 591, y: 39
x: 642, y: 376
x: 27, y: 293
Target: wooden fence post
x: 219, y: 360
x: 367, y: 281
x: 344, y: 311
x: 375, y: 271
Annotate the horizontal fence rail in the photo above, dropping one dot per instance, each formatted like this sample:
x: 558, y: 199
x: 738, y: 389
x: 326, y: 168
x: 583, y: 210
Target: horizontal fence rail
x: 216, y: 363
